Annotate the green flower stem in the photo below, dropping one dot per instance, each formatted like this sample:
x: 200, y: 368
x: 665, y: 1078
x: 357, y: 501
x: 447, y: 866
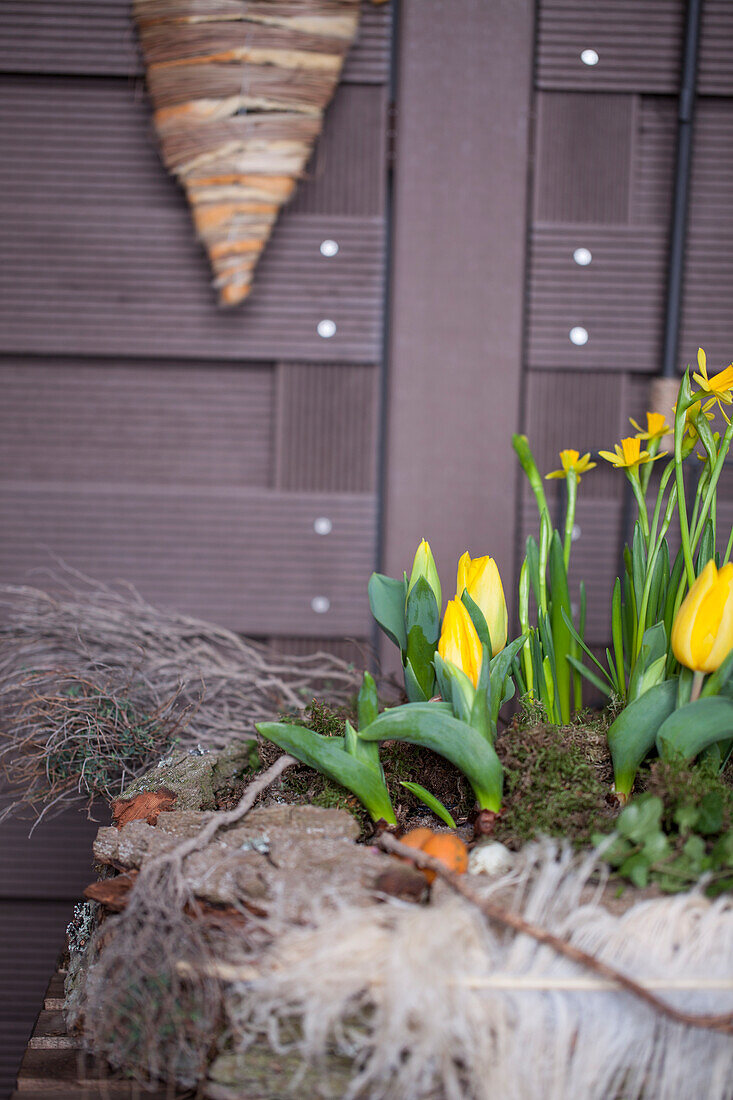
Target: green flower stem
x: 526, y: 656
x: 683, y: 403
x: 701, y: 486
x: 729, y: 548
x: 646, y: 472
x: 633, y: 476
x: 712, y: 484
x: 545, y: 535
x: 651, y: 562
x: 527, y: 460
x: 571, y: 482
x: 669, y: 470
x: 697, y: 682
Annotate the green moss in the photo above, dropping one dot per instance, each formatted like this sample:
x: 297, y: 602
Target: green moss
x: 683, y: 788
x: 556, y: 779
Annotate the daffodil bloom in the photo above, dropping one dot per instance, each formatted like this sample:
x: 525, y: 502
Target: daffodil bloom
x: 459, y: 643
x: 656, y: 427
x: 702, y: 632
x: 424, y: 566
x: 571, y: 460
x: 629, y: 455
x: 480, y: 578
x: 719, y: 386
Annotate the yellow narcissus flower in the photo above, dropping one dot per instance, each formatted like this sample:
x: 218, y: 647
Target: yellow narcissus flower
x: 480, y: 578
x: 629, y: 455
x: 656, y: 427
x: 702, y: 632
x: 571, y: 460
x: 459, y: 643
x: 719, y: 386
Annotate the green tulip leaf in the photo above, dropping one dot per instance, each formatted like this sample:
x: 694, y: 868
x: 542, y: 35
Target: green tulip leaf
x: 430, y: 801
x: 327, y: 755
x: 532, y: 557
x: 428, y: 725
x: 387, y: 602
x: 634, y: 732
x: 413, y: 687
x: 499, y: 671
x: 455, y: 687
x: 422, y: 623
x: 694, y: 727
x: 367, y: 701
x: 478, y: 619
x: 653, y: 647
x: 720, y: 678
x: 362, y: 750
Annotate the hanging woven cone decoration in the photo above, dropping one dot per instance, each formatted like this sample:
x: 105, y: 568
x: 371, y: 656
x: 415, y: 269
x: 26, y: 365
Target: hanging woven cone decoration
x: 239, y: 89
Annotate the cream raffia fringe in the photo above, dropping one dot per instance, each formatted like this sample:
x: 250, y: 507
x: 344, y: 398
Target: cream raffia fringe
x: 436, y: 1002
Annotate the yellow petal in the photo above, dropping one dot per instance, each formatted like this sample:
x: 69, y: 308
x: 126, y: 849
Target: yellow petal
x: 485, y: 588
x: 464, y: 564
x: 721, y: 619
x: 459, y: 643
x: 702, y: 361
x: 684, y: 623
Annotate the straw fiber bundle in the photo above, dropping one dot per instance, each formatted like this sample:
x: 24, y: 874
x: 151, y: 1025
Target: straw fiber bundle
x: 239, y: 90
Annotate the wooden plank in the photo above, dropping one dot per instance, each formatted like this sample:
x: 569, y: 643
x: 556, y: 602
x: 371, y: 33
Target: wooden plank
x: 455, y: 343
x: 250, y: 559
x: 98, y: 37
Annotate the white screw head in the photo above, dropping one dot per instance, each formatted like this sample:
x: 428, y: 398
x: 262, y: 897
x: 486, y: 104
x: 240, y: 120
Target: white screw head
x: 320, y: 604
x: 575, y: 533
x: 582, y: 256
x: 589, y: 57
x: 329, y: 248
x: 322, y: 525
x: 578, y: 335
x: 326, y: 329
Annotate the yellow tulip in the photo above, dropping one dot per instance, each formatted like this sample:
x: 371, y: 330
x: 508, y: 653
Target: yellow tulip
x: 459, y: 643
x: 702, y: 633
x: 480, y: 578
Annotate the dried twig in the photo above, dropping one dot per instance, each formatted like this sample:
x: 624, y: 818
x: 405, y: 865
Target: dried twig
x: 504, y: 916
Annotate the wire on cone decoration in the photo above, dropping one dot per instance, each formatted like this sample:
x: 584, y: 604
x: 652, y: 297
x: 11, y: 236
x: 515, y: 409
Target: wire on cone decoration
x: 239, y: 90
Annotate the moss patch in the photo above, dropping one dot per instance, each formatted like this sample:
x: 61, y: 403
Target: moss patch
x: 556, y: 782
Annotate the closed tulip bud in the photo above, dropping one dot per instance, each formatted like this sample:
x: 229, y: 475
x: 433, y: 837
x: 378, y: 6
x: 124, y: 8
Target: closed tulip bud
x: 424, y: 566
x: 702, y: 633
x: 459, y: 643
x: 480, y: 578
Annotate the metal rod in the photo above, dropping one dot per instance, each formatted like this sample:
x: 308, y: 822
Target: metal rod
x: 678, y: 233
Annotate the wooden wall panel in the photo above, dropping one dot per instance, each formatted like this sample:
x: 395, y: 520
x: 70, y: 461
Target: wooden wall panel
x: 583, y: 158
x: 136, y: 422
x: 55, y: 862
x: 32, y: 939
x: 97, y: 38
x: 326, y: 428
x: 625, y: 279
x: 248, y: 558
x: 455, y: 342
x: 118, y: 272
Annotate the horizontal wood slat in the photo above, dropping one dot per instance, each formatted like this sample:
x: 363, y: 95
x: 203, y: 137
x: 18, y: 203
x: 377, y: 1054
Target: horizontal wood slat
x: 326, y: 428
x: 249, y: 559
x: 583, y: 159
x: 55, y: 861
x: 33, y: 936
x: 97, y: 37
x: 146, y: 421
x: 618, y: 298
x: 117, y: 271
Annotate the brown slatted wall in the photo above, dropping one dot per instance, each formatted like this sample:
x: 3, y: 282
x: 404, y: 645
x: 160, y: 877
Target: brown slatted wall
x: 147, y: 435
x: 603, y: 181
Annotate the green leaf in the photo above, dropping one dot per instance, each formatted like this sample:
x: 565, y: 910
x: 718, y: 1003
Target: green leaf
x: 532, y: 557
x: 638, y: 565
x: 387, y: 602
x: 695, y: 726
x: 367, y: 701
x: 706, y: 548
x: 589, y: 676
x: 576, y: 664
x: 636, y: 868
x: 362, y: 750
x: 499, y: 670
x: 455, y: 687
x: 327, y: 756
x: 653, y: 647
x: 478, y: 620
x: 480, y: 715
x: 422, y: 623
x: 431, y: 802
x: 426, y: 724
x: 710, y: 814
x: 634, y: 732
x: 413, y: 687
x: 641, y: 818
x: 560, y: 632
x: 718, y: 679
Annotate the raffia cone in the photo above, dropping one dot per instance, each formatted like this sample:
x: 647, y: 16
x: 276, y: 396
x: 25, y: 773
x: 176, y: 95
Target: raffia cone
x: 239, y: 89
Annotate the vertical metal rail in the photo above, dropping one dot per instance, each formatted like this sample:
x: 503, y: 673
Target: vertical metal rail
x: 680, y: 206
